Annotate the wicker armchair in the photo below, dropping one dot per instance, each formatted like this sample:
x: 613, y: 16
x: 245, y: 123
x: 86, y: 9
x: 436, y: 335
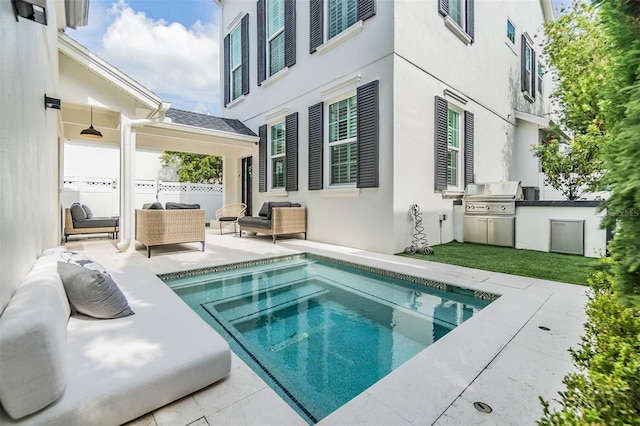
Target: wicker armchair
x: 230, y: 214
x: 157, y: 227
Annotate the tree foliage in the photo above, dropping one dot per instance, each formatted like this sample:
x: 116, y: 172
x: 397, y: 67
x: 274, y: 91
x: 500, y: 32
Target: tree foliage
x: 195, y: 168
x: 577, y: 48
x: 621, y: 19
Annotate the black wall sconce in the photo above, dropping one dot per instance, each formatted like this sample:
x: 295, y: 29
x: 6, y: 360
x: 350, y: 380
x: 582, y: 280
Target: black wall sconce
x: 52, y: 103
x: 30, y: 9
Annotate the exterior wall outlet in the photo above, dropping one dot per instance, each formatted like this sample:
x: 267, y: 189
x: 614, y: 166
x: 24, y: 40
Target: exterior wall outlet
x: 442, y: 217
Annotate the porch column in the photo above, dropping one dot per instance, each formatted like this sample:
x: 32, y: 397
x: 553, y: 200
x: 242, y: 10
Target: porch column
x: 231, y: 180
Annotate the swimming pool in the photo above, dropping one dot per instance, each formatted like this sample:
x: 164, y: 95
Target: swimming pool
x: 321, y: 331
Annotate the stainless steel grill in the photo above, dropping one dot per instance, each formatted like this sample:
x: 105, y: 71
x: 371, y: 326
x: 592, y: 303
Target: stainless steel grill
x: 489, y: 212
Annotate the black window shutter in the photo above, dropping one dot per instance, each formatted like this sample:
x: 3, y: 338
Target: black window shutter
x: 262, y: 159
x: 523, y: 62
x: 315, y: 146
x: 440, y: 143
x: 227, y: 69
x: 291, y: 135
x: 262, y: 41
x: 533, y: 74
x: 368, y: 120
x: 443, y: 7
x: 289, y: 32
x: 366, y: 9
x: 470, y: 21
x: 468, y: 148
x: 245, y: 53
x: 316, y: 24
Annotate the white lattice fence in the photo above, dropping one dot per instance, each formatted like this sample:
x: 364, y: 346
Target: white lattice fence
x: 103, y: 197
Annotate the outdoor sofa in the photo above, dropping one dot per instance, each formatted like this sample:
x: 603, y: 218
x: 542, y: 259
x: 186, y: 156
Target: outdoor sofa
x: 276, y: 218
x: 79, y: 219
x: 64, y: 369
x: 178, y: 223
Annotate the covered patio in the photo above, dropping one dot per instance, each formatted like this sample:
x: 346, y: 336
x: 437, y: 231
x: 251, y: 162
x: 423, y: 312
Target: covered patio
x: 129, y: 115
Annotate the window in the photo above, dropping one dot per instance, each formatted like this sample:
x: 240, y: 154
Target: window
x: 342, y: 14
x: 529, y: 72
x: 276, y: 36
x: 453, y: 145
x: 236, y: 62
x: 461, y: 12
x: 277, y: 155
x: 540, y: 76
x: 511, y: 32
x: 328, y: 18
x: 342, y: 142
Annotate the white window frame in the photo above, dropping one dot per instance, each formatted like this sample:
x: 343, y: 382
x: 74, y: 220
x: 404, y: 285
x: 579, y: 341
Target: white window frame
x: 462, y: 6
x: 459, y: 149
x: 269, y: 39
x: 328, y: 145
x: 238, y: 67
x: 539, y: 77
x: 532, y: 76
x: 271, y: 156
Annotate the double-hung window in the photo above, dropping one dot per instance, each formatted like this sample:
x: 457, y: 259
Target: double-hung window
x: 453, y: 143
x: 276, y: 37
x: 528, y: 71
x: 453, y: 148
x: 540, y: 76
x: 277, y: 156
x: 236, y: 61
x: 342, y: 143
x: 343, y: 140
x: 342, y: 14
x: 462, y: 14
x: 511, y: 32
x: 329, y: 18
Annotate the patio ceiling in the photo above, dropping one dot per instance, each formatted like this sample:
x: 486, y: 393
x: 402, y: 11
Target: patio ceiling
x: 160, y: 136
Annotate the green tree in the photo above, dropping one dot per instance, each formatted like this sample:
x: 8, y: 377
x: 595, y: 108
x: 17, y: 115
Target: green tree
x: 577, y: 49
x: 621, y: 19
x: 196, y: 168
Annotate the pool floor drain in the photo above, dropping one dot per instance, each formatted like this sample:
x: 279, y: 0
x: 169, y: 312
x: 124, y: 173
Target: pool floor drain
x: 482, y: 407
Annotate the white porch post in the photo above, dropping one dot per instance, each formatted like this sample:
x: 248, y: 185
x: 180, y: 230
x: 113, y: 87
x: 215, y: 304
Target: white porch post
x: 127, y: 193
x: 231, y: 180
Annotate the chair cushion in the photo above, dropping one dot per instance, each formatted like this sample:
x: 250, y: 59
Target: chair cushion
x: 256, y: 222
x: 93, y: 293
x: 96, y: 222
x: 174, y: 206
x: 228, y: 219
x: 77, y: 212
x: 153, y: 206
x: 264, y: 210
x: 88, y: 211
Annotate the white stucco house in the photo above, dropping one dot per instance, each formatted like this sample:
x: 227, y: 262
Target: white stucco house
x: 365, y: 107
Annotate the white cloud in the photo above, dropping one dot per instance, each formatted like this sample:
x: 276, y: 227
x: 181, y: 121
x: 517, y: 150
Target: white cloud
x: 179, y: 64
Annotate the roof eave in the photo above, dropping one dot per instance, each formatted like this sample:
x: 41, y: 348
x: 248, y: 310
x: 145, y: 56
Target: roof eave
x: 547, y: 10
x: 208, y: 132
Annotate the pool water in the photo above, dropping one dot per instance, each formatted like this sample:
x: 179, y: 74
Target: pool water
x: 320, y: 333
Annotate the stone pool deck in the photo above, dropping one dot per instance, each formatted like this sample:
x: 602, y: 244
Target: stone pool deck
x: 500, y: 357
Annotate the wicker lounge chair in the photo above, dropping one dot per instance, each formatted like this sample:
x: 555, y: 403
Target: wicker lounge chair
x: 89, y: 225
x: 230, y: 214
x: 276, y: 218
x: 158, y: 227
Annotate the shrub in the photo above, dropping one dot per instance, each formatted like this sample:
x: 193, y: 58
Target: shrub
x: 605, y: 388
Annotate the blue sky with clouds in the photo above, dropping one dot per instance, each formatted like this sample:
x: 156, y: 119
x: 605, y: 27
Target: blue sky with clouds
x: 171, y: 47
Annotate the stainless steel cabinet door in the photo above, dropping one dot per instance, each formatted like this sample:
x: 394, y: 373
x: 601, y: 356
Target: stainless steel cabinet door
x: 501, y: 231
x: 475, y: 229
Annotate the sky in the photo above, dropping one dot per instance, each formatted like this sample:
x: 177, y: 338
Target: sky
x: 169, y: 46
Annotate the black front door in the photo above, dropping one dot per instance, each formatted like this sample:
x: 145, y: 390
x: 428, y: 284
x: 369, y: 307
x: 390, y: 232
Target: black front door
x: 247, y: 183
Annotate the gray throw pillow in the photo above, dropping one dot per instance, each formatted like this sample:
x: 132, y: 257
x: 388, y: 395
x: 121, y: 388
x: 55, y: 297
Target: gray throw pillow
x: 88, y: 211
x: 93, y: 293
x: 77, y: 212
x: 153, y: 206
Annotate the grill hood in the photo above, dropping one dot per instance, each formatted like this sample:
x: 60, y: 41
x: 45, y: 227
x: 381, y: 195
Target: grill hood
x: 494, y: 191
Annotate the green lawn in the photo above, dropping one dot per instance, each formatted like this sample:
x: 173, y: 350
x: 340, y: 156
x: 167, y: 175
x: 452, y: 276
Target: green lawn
x: 529, y: 263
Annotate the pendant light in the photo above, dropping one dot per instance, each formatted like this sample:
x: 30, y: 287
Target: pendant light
x: 91, y: 132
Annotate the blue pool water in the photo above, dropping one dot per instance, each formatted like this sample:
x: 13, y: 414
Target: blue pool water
x: 320, y: 333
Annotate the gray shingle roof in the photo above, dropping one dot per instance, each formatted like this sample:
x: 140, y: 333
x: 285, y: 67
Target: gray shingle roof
x: 208, y: 121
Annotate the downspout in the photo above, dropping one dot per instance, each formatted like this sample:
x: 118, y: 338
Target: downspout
x: 127, y: 170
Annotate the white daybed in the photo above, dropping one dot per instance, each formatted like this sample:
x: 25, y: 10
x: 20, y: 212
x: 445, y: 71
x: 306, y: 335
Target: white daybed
x: 108, y: 371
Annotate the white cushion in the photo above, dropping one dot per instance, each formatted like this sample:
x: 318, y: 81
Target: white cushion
x: 32, y: 341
